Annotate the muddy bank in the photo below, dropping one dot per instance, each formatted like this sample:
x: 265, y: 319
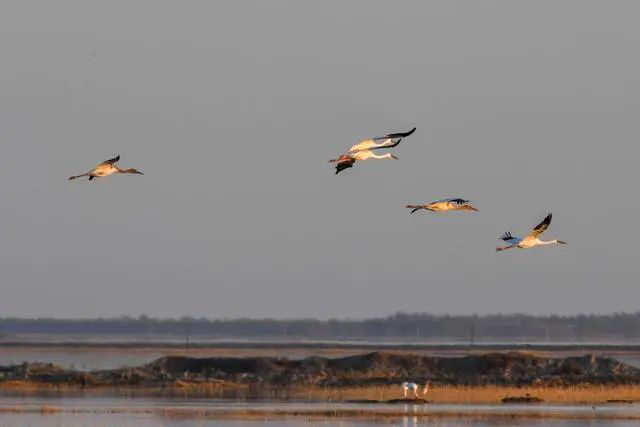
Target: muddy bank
x: 499, y: 369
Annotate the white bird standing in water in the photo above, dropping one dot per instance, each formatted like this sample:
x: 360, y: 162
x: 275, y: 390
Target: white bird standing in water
x: 106, y: 168
x: 413, y: 388
x: 410, y: 388
x: 531, y: 239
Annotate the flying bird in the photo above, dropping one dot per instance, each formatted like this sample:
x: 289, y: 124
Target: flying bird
x: 531, y: 239
x: 364, y: 150
x: 106, y: 168
x: 387, y: 141
x: 444, y: 205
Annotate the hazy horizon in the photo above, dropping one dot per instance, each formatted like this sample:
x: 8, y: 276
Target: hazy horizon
x: 232, y: 109
x: 505, y: 315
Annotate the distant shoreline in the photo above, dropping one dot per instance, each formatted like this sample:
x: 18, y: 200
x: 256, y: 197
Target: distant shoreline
x: 350, y: 345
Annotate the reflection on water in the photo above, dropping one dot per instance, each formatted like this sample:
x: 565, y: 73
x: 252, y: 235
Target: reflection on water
x: 102, y: 411
x: 144, y: 420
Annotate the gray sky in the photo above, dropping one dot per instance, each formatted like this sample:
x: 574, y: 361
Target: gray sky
x: 232, y: 109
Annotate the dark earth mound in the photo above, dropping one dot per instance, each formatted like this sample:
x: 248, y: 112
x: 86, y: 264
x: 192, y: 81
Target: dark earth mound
x: 509, y: 369
x: 412, y: 401
x: 522, y: 399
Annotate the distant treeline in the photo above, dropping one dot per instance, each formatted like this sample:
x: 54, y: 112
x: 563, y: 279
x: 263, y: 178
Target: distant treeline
x: 581, y: 328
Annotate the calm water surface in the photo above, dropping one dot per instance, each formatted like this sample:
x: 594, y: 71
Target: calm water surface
x: 94, y: 412
x: 143, y: 420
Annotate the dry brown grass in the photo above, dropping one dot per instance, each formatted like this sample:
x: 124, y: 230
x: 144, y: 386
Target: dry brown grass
x: 35, y: 386
x: 587, y: 394
x: 48, y: 409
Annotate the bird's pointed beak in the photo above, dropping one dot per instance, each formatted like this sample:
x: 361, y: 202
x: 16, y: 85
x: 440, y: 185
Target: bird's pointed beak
x: 562, y: 242
x: 139, y: 173
x: 394, y: 157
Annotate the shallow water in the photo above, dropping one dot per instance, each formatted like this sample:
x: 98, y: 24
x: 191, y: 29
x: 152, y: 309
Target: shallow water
x: 79, y: 411
x: 138, y: 420
x: 148, y: 420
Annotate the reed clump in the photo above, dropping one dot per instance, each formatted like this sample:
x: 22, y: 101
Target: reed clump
x: 48, y: 409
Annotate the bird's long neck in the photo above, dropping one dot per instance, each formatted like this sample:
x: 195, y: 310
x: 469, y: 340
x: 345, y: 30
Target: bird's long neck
x: 124, y: 170
x: 383, y: 143
x: 381, y: 156
x: 547, y: 242
x: 465, y: 208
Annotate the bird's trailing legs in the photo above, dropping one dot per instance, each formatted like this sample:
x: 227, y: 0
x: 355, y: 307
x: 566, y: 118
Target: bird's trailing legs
x: 415, y: 208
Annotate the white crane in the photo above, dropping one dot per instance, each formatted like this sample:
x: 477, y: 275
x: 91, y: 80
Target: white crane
x: 531, y: 239
x: 413, y: 388
x: 444, y: 205
x: 106, y: 168
x: 410, y: 388
x: 363, y: 150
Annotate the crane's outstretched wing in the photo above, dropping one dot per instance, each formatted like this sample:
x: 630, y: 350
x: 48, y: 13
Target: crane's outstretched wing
x: 396, y: 135
x: 415, y: 208
x: 509, y: 238
x: 541, y: 228
x: 343, y: 162
x: 456, y: 201
x: 365, y: 144
x: 370, y: 144
x: 344, y: 165
x: 110, y: 161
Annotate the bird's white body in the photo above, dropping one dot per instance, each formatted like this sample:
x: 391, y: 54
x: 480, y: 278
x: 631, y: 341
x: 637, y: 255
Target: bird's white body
x: 104, y: 170
x: 448, y: 205
x: 527, y: 243
x: 369, y: 144
x: 441, y: 206
x: 410, y: 388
